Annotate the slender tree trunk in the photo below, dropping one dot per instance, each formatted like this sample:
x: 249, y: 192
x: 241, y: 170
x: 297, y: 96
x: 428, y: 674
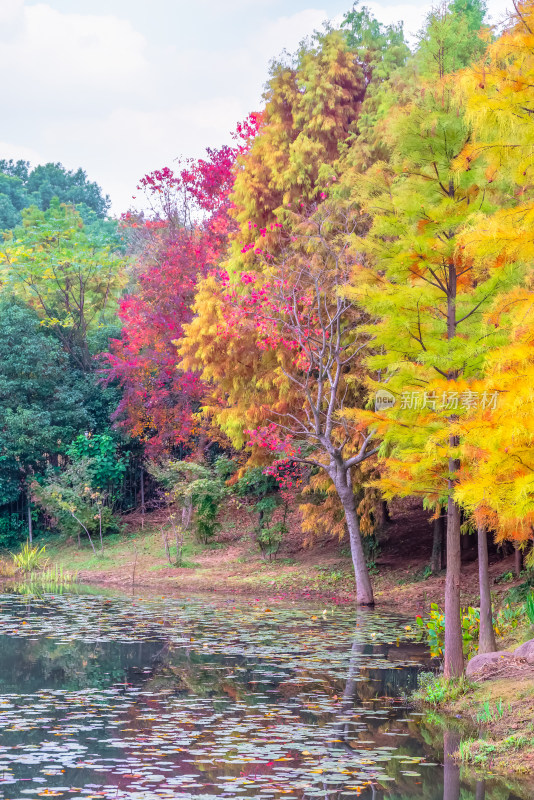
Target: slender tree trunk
x: 518, y: 561
x: 166, y: 546
x: 451, y: 770
x: 142, y: 498
x: 134, y: 567
x: 386, y: 516
x: 179, y: 539
x: 486, y: 640
x: 454, y: 658
x: 436, y: 560
x: 85, y: 529
x: 480, y: 790
x: 30, y: 524
x: 364, y: 589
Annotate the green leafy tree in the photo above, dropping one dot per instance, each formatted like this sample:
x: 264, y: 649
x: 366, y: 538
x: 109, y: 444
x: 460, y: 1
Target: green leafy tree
x: 41, y: 403
x: 196, y: 489
x: 473, y: 11
x: 13, y: 198
x: 71, y: 274
x: 380, y: 49
x: 106, y: 467
x: 384, y: 58
x: 72, y: 503
x: 21, y: 187
x: 261, y: 491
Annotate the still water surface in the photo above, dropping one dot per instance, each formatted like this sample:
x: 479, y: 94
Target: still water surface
x: 110, y: 697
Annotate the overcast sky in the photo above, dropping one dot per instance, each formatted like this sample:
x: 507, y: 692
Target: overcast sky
x: 122, y: 87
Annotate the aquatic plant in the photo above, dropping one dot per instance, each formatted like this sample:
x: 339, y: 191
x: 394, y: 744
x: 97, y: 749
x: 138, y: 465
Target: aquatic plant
x: 30, y: 558
x: 52, y: 579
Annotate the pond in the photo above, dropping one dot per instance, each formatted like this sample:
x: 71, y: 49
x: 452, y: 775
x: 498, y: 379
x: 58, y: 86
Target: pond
x: 145, y: 698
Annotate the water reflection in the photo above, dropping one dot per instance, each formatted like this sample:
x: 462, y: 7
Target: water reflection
x: 195, y: 699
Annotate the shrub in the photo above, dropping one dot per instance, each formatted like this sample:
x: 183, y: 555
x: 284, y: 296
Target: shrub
x: 13, y: 530
x: 518, y: 594
x: 263, y: 490
x: 73, y: 503
x: 433, y: 629
x: 106, y: 468
x: 193, y: 487
x: 508, y: 618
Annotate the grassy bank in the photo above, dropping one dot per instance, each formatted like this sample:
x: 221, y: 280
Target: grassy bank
x: 500, y: 714
x: 233, y: 564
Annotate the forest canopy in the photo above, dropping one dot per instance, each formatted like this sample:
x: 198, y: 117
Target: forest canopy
x: 329, y: 313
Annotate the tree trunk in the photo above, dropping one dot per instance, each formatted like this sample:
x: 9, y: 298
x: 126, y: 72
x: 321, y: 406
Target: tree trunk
x: 166, y: 546
x: 480, y: 790
x: 451, y: 770
x: 364, y: 590
x: 436, y: 560
x: 85, y: 529
x: 454, y: 658
x: 486, y: 640
x: 518, y: 561
x: 142, y: 498
x: 351, y: 685
x: 386, y: 516
x: 30, y: 525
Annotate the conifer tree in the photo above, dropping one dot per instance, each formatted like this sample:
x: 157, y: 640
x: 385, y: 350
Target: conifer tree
x: 450, y: 39
x: 428, y: 299
x: 497, y: 454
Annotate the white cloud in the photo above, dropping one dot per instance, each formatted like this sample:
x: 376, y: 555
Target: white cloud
x: 10, y: 10
x: 54, y: 52
x: 412, y: 15
x: 16, y: 152
x: 286, y: 33
x: 11, y: 18
x: 121, y: 147
x: 122, y: 95
x: 231, y: 6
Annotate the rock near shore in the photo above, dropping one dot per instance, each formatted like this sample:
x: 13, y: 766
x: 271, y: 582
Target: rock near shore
x: 526, y: 651
x: 484, y: 661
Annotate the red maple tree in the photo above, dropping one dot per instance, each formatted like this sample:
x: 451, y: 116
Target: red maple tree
x: 178, y: 245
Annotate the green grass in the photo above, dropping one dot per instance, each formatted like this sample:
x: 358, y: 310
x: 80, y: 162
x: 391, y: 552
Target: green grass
x: 489, y: 714
x: 120, y: 550
x: 479, y: 752
x: 436, y: 691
